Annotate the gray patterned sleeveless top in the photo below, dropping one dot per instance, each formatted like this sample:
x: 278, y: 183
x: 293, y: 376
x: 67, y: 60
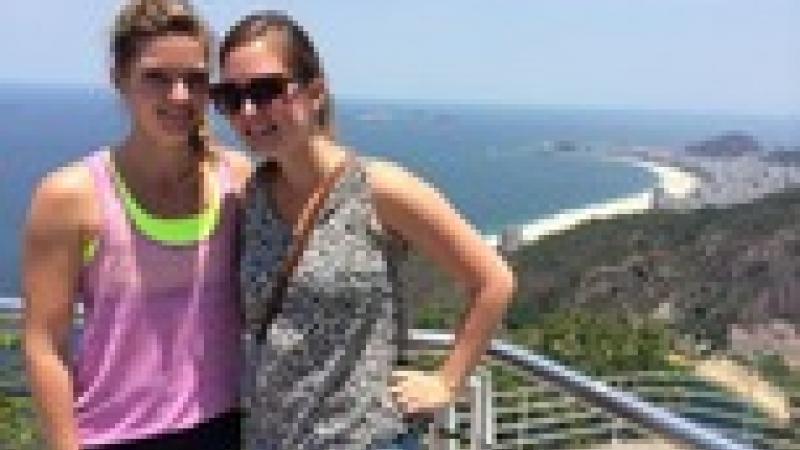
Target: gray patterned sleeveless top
x: 320, y: 379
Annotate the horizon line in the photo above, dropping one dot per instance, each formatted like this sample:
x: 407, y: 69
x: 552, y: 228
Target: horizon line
x: 475, y: 102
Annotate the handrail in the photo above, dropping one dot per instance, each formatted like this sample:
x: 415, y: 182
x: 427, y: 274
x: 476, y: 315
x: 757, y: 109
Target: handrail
x: 10, y: 304
x: 659, y: 420
x: 627, y: 405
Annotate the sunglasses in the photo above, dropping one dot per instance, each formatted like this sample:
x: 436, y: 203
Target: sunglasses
x: 163, y: 79
x: 229, y: 97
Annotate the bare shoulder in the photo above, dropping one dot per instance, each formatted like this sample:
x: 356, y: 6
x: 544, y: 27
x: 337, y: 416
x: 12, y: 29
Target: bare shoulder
x: 388, y: 177
x: 241, y: 165
x: 407, y: 205
x: 64, y: 198
x: 70, y: 185
x: 420, y: 214
x: 395, y: 186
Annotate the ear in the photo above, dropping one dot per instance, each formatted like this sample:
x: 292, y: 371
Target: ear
x: 115, y: 77
x: 316, y: 93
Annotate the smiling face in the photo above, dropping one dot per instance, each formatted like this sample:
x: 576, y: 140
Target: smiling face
x: 271, y: 112
x: 166, y: 88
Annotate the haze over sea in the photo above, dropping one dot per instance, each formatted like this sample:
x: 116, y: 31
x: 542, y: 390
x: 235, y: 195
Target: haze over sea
x: 490, y: 161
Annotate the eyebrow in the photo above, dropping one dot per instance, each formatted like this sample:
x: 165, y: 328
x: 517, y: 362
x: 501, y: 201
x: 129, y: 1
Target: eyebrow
x: 150, y: 63
x: 245, y: 80
x: 177, y: 70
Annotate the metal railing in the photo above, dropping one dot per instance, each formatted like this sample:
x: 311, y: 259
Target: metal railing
x: 626, y: 406
x: 633, y: 417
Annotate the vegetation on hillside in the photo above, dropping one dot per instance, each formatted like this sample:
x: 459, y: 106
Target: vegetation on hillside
x: 619, y: 294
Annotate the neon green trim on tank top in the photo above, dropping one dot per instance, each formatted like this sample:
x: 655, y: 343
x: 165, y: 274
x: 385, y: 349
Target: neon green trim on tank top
x: 172, y: 231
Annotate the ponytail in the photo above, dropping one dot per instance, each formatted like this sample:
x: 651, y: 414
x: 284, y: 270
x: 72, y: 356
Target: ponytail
x: 199, y: 138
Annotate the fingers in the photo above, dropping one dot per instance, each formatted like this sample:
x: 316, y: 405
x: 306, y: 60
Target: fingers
x: 399, y: 375
x: 416, y: 392
x: 400, y: 388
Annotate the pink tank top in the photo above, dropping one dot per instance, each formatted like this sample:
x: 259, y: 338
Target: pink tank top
x: 160, y: 344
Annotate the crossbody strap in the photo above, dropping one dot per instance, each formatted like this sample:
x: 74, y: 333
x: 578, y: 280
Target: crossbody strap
x: 300, y: 235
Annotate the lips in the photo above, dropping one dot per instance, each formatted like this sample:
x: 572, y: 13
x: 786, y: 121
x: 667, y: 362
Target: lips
x: 179, y: 116
x: 261, y: 131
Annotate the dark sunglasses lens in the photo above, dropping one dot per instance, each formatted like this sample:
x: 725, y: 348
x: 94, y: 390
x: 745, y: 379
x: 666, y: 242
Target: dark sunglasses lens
x: 264, y: 90
x: 226, y: 97
x: 197, y: 80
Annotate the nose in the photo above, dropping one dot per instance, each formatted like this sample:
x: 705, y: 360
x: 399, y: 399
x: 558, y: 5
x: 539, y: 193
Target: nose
x: 179, y: 92
x: 248, y: 107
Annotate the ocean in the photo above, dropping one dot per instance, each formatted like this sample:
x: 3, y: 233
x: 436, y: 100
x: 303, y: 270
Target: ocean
x: 494, y: 163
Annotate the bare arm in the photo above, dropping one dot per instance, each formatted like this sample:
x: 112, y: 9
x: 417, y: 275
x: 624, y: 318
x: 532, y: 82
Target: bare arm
x: 51, y: 257
x: 428, y: 222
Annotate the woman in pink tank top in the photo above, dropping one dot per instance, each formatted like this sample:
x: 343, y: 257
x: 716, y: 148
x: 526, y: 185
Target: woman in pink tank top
x: 143, y: 237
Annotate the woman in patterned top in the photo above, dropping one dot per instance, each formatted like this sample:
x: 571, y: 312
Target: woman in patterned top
x: 324, y: 357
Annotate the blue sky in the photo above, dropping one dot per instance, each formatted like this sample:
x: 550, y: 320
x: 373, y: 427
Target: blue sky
x: 729, y: 55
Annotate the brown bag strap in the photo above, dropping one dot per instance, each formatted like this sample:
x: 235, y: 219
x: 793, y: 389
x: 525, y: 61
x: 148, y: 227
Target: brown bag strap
x: 300, y: 235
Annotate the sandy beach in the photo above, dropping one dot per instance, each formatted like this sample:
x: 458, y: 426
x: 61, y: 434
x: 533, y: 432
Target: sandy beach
x: 673, y: 181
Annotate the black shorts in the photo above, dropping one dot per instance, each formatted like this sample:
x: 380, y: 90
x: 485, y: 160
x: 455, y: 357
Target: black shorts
x: 220, y: 433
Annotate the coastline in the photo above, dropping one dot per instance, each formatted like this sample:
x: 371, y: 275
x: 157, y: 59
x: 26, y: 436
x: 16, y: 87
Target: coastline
x: 675, y: 182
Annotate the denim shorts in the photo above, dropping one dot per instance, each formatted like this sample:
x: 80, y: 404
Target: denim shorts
x: 411, y: 440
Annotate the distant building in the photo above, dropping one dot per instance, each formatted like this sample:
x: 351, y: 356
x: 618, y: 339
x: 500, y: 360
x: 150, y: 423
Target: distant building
x: 565, y: 146
x: 731, y: 144
x: 511, y: 239
x: 658, y: 198
x: 774, y: 338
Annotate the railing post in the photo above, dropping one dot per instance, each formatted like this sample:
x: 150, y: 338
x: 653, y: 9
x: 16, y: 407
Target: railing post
x: 616, y: 425
x: 488, y: 407
x: 444, y: 420
x: 476, y: 424
x: 482, y: 420
x: 526, y: 407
